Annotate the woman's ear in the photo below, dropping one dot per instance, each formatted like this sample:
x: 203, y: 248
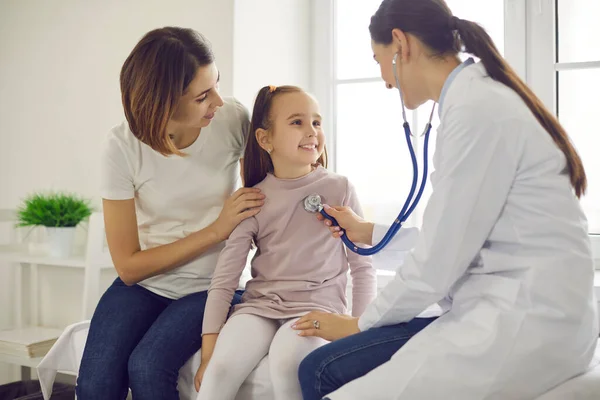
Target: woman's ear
x: 400, y: 43
x: 263, y: 139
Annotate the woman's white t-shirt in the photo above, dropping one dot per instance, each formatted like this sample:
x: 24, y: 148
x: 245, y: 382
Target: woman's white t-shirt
x: 176, y: 196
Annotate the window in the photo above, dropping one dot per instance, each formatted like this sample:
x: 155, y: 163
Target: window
x: 551, y: 44
x: 577, y: 69
x: 368, y: 134
x: 564, y: 70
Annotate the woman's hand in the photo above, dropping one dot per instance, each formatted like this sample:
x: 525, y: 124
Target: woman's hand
x: 357, y: 229
x: 244, y: 203
x: 326, y: 325
x: 200, y: 374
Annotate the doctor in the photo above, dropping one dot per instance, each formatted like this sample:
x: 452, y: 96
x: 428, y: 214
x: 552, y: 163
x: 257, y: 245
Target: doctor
x: 503, y: 248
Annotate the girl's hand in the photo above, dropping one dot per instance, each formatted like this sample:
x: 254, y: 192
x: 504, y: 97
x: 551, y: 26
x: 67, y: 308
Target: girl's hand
x: 200, y: 374
x: 328, y: 326
x: 244, y: 203
x: 357, y: 229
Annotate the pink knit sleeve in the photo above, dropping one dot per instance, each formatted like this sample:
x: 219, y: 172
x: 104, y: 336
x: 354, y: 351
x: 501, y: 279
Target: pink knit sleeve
x: 364, y: 276
x: 225, y: 280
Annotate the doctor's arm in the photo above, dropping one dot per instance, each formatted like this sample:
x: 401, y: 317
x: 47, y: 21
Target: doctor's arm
x: 474, y: 177
x: 369, y: 233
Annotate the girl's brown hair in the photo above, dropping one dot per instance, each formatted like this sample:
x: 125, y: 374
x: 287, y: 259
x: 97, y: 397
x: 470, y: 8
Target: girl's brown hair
x: 431, y: 21
x: 155, y: 76
x: 257, y: 162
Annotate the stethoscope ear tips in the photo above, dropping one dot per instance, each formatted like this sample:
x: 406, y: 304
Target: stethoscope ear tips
x: 389, y: 86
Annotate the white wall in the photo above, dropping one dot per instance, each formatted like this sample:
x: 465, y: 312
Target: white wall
x: 59, y: 76
x: 272, y: 46
x: 59, y: 95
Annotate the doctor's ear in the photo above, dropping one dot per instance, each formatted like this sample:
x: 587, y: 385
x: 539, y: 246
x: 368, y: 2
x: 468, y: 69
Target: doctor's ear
x: 263, y: 139
x: 400, y: 43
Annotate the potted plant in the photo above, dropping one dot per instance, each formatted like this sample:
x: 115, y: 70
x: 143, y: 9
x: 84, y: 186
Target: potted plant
x: 60, y: 213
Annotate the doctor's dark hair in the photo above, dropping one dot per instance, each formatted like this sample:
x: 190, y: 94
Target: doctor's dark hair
x: 432, y: 22
x: 155, y: 76
x: 257, y: 162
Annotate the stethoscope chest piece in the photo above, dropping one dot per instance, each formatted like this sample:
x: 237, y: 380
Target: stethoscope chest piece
x: 313, y: 203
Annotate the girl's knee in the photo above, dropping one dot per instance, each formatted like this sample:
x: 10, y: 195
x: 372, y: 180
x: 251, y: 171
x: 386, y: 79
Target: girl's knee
x: 284, y: 365
x: 218, y: 371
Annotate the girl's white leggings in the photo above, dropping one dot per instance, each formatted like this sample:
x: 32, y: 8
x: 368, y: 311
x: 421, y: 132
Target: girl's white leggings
x: 243, y: 342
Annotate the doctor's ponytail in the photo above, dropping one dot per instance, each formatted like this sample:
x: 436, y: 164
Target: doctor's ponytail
x: 478, y: 42
x: 432, y: 22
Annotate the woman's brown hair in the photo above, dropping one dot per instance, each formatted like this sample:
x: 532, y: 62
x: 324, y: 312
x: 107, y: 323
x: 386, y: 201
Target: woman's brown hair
x: 257, y: 162
x: 155, y: 76
x: 432, y: 22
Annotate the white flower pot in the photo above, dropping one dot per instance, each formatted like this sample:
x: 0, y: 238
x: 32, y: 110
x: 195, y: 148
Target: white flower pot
x: 60, y: 241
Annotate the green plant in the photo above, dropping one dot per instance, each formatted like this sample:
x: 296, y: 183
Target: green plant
x: 57, y: 210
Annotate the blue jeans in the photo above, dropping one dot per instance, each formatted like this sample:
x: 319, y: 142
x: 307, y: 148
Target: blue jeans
x: 332, y: 366
x: 139, y: 340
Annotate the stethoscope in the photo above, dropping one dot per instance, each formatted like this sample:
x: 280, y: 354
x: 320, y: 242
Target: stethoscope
x: 313, y: 202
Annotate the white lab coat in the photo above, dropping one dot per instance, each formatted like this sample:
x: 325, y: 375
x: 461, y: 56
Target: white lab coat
x: 504, y: 251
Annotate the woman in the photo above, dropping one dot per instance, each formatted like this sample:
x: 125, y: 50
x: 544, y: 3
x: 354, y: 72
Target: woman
x: 168, y: 175
x: 503, y: 247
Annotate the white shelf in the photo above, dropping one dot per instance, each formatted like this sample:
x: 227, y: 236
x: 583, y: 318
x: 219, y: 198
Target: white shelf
x: 13, y: 254
x: 20, y: 360
x: 91, y: 257
x: 73, y: 262
x: 28, y: 362
x: 22, y: 337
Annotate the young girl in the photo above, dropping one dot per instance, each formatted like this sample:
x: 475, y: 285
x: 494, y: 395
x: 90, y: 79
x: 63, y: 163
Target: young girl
x: 298, y: 267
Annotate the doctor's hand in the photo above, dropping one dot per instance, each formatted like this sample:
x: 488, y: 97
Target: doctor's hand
x: 326, y: 325
x: 357, y: 229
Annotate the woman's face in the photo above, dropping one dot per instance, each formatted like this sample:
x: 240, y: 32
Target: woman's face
x: 201, y: 99
x: 407, y: 67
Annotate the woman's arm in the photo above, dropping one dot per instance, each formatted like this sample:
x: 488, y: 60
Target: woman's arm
x: 369, y: 233
x: 134, y: 265
x: 392, y: 256
x: 360, y: 231
x: 474, y: 177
